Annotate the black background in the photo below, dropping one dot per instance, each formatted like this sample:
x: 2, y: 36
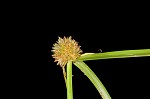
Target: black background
x: 34, y: 73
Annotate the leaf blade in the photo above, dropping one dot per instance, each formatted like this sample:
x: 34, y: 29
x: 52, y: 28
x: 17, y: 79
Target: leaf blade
x: 93, y: 78
x: 116, y: 54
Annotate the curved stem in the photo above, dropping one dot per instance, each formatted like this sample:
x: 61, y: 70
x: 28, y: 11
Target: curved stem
x: 69, y: 80
x: 93, y: 78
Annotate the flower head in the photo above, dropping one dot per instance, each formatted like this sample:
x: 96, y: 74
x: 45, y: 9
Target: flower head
x: 65, y: 49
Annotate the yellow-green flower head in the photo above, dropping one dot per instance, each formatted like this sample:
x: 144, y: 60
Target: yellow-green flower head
x: 65, y: 49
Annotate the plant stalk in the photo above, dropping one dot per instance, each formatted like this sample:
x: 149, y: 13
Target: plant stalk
x: 69, y: 80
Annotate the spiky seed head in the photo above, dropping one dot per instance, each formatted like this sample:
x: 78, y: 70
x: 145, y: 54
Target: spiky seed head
x: 65, y: 49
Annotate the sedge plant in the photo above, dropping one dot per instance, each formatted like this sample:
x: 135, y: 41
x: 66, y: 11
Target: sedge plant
x: 66, y: 52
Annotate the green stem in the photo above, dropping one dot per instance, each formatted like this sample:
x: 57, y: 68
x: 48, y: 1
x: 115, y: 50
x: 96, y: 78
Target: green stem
x: 69, y: 80
x: 93, y: 78
x: 115, y: 54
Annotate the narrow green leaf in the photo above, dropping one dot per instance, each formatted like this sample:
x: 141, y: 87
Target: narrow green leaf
x: 115, y: 54
x: 93, y: 78
x: 69, y: 81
